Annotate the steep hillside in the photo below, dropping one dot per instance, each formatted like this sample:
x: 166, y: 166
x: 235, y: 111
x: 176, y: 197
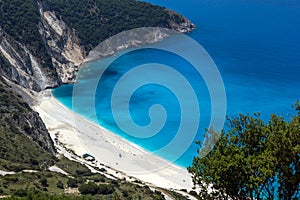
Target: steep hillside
x: 45, y: 41
x: 24, y: 139
x: 97, y: 20
x: 50, y: 185
x: 42, y: 44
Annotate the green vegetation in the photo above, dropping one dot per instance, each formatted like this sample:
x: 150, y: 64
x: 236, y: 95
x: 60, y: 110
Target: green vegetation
x: 174, y: 195
x: 252, y: 159
x: 20, y: 19
x: 97, y: 20
x: 18, y: 151
x: 42, y: 181
x: 24, y: 140
x: 37, y: 195
x: 60, y: 184
x: 73, y: 168
x: 93, y: 21
x: 92, y: 188
x: 50, y: 185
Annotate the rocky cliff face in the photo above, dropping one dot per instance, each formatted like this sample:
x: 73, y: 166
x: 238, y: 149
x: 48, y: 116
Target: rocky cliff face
x: 39, y: 50
x: 25, y: 69
x: 63, y: 44
x: 18, y: 117
x: 129, y: 39
x: 64, y: 48
x: 31, y: 125
x: 179, y: 23
x: 21, y: 67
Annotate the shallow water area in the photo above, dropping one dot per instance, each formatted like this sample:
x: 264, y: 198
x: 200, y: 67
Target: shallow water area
x: 255, y: 45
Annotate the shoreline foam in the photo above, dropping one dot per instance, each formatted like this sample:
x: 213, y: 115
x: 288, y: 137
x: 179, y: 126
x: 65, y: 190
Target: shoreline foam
x: 82, y: 136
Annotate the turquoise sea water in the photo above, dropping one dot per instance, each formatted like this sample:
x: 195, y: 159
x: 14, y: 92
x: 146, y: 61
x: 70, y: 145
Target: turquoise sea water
x: 255, y: 45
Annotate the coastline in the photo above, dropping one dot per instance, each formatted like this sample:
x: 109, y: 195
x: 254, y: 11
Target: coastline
x: 82, y: 136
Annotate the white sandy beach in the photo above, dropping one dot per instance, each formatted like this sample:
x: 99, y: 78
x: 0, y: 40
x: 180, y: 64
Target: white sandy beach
x: 82, y: 136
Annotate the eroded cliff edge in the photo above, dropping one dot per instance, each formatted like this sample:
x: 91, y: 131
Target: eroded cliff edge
x: 66, y: 46
x: 43, y: 43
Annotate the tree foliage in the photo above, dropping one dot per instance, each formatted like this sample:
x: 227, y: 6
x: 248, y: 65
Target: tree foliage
x: 93, y: 20
x: 89, y: 188
x: 60, y: 184
x: 20, y: 19
x: 92, y: 188
x: 97, y: 20
x: 72, y: 183
x: 252, y: 159
x: 18, y: 151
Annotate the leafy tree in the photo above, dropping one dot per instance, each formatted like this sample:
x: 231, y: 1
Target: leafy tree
x: 89, y: 188
x: 20, y: 193
x: 106, y: 189
x: 17, y: 150
x: 125, y: 193
x: 44, y: 182
x: 72, y: 183
x: 97, y: 20
x: 20, y: 19
x: 60, y: 184
x: 252, y: 159
x: 83, y: 172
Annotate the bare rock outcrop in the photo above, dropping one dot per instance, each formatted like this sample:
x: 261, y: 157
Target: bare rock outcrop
x: 22, y: 67
x: 63, y: 44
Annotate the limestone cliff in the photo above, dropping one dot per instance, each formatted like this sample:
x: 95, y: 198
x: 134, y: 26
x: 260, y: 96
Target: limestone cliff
x: 128, y: 39
x: 44, y: 42
x: 21, y: 67
x: 63, y: 44
x: 17, y: 117
x: 66, y: 46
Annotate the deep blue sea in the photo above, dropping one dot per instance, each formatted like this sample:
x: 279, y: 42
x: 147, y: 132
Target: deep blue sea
x: 254, y: 44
